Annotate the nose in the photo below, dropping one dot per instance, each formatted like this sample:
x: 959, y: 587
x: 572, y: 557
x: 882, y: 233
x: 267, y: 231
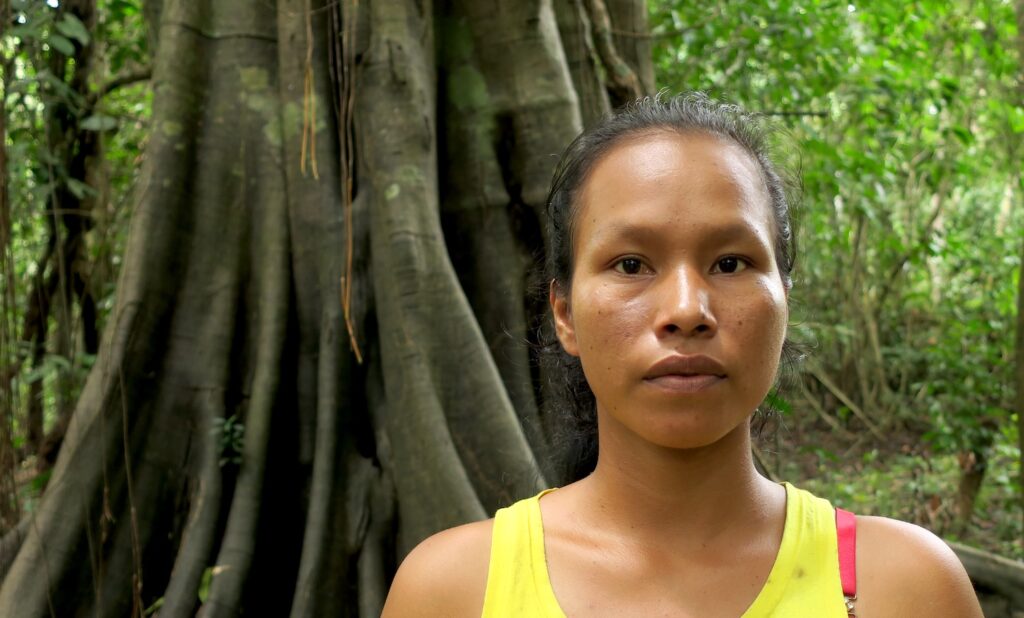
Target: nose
x: 684, y: 305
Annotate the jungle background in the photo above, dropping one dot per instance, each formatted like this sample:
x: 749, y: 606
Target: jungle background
x: 902, y: 124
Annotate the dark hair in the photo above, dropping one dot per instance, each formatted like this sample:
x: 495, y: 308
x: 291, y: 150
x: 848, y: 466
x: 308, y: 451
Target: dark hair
x: 693, y: 113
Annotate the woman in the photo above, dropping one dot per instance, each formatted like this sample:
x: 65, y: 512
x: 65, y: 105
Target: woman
x: 670, y: 276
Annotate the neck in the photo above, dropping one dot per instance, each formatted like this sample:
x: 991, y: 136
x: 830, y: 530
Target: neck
x: 652, y: 493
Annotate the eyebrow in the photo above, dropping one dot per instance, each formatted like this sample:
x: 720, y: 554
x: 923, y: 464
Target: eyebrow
x: 628, y: 230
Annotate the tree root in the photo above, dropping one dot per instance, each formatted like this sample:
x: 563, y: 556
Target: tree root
x: 996, y: 573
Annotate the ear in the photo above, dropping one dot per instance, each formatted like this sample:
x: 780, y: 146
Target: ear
x: 562, y: 313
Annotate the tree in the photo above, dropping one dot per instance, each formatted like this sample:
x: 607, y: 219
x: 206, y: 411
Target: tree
x: 1019, y: 376
x: 315, y: 358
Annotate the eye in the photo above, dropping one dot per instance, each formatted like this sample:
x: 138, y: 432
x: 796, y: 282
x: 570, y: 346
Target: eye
x: 629, y: 266
x: 730, y: 264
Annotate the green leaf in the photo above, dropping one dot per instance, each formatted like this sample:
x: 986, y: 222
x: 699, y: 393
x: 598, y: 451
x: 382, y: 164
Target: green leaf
x: 98, y: 122
x: 963, y: 135
x: 123, y: 7
x: 72, y: 27
x: 204, y: 584
x: 1016, y: 117
x: 25, y: 31
x: 58, y: 86
x: 40, y: 481
x: 61, y: 44
x: 79, y: 189
x: 155, y: 607
x: 36, y: 374
x: 776, y: 401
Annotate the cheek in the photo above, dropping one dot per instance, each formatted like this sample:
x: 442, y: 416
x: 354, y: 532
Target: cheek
x: 760, y: 323
x: 603, y: 315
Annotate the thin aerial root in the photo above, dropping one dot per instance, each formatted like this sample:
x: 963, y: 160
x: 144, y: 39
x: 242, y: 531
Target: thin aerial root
x: 309, y: 102
x: 346, y: 99
x: 622, y: 76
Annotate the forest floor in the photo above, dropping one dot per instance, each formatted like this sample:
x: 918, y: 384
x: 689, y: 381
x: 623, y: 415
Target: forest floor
x: 902, y: 478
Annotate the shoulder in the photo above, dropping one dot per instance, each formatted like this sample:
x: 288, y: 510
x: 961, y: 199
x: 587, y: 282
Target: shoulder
x: 905, y: 570
x: 445, y: 575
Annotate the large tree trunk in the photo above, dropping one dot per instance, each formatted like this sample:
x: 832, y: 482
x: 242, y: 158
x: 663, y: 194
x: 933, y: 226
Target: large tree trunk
x: 378, y: 371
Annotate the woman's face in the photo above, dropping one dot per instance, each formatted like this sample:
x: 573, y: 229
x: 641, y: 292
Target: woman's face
x: 677, y: 310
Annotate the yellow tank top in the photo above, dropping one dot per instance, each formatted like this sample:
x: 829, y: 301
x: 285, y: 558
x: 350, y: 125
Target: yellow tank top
x: 804, y: 581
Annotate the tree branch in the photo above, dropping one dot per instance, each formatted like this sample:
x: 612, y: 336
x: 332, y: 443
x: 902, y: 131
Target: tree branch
x: 125, y: 79
x: 794, y: 113
x: 997, y: 573
x: 120, y: 81
x: 816, y: 371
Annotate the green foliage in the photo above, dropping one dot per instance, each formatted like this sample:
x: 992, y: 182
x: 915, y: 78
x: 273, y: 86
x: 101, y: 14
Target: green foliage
x: 204, y: 584
x: 905, y: 125
x: 202, y: 593
x: 230, y: 432
x: 52, y: 98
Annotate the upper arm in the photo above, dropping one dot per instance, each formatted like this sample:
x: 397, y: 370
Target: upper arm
x: 445, y: 575
x: 905, y: 570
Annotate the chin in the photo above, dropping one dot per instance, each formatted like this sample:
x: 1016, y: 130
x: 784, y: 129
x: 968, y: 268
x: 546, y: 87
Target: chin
x: 688, y: 431
x: 689, y: 441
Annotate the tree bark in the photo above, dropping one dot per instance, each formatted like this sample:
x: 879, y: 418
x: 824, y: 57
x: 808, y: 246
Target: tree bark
x: 973, y: 466
x: 581, y: 54
x: 632, y: 39
x: 230, y: 310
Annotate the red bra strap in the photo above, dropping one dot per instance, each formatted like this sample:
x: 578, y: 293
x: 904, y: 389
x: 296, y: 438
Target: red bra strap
x: 846, y: 532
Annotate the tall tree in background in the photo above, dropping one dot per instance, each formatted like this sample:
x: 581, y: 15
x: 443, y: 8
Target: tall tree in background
x: 315, y: 358
x: 1020, y: 278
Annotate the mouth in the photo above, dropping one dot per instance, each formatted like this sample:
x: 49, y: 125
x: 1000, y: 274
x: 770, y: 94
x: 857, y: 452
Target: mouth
x: 678, y: 383
x: 685, y: 373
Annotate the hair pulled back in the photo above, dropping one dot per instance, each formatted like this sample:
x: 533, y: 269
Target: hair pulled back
x: 693, y: 113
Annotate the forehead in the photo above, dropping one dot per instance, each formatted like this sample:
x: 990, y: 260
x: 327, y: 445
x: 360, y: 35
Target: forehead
x: 667, y: 176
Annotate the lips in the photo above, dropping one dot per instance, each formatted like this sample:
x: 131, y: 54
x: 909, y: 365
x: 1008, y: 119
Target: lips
x: 685, y: 373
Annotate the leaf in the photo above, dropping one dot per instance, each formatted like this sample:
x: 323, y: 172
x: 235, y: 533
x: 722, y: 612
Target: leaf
x: 72, y: 27
x: 776, y: 401
x: 963, y: 135
x: 58, y: 86
x: 204, y: 584
x: 1016, y: 117
x: 25, y: 31
x: 155, y: 607
x: 79, y: 189
x: 36, y: 374
x: 59, y: 361
x: 40, y: 481
x: 99, y: 122
x: 123, y: 8
x: 61, y: 44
